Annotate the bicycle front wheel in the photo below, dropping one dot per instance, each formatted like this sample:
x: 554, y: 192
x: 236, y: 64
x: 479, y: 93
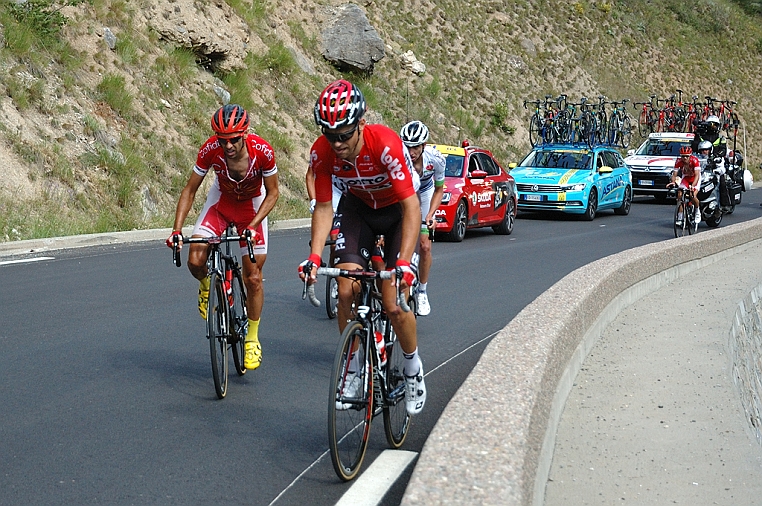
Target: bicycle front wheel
x: 331, y: 296
x: 625, y: 132
x: 680, y: 222
x: 535, y: 130
x: 396, y: 420
x: 350, y: 402
x: 217, y: 321
x: 240, y: 320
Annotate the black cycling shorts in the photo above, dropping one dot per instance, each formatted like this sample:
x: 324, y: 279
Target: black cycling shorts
x: 359, y: 227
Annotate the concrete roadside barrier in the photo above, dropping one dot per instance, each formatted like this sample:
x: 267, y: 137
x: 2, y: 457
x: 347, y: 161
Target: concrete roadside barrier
x: 494, y: 442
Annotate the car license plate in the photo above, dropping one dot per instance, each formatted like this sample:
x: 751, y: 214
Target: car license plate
x: 646, y: 182
x: 534, y: 197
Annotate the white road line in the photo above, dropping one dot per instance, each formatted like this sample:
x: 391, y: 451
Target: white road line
x: 26, y: 260
x: 373, y: 483
x: 380, y: 494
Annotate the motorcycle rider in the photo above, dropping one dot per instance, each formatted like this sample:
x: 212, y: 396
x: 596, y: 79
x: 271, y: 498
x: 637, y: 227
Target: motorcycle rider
x: 688, y: 168
x: 709, y: 130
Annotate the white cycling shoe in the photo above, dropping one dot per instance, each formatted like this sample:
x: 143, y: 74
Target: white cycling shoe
x: 352, y: 390
x: 422, y: 300
x: 415, y: 392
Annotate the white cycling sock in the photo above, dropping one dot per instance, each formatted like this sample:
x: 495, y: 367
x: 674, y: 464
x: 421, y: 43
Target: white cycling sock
x: 412, y: 365
x: 422, y: 287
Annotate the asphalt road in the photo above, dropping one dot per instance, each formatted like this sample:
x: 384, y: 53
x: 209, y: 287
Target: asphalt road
x: 106, y: 390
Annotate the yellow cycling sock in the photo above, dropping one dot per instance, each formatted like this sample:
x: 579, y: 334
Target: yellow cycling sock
x: 253, y: 333
x: 204, y: 284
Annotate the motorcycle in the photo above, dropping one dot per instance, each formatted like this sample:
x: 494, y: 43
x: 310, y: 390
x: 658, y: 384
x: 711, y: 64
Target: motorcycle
x: 709, y: 192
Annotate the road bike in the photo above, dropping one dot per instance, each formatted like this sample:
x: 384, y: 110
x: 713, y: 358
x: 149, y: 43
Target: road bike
x: 620, y: 125
x: 648, y: 116
x: 684, y: 222
x: 226, y: 316
x: 367, y: 377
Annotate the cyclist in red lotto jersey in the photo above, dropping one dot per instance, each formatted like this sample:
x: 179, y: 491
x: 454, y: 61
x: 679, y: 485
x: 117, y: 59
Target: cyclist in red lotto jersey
x: 688, y: 168
x: 381, y: 200
x: 245, y: 190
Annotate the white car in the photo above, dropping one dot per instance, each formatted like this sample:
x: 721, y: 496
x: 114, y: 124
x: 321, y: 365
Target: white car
x: 652, y: 163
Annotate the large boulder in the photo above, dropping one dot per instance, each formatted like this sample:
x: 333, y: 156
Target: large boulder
x: 350, y: 42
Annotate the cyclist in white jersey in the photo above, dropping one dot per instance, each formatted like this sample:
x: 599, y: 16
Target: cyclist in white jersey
x: 429, y: 164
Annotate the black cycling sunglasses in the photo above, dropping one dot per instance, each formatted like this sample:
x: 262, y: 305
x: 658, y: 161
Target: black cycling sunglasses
x: 340, y: 137
x: 231, y: 140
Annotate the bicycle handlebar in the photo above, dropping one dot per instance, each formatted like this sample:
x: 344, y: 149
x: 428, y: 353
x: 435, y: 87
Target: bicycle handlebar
x: 309, y: 290
x: 210, y: 240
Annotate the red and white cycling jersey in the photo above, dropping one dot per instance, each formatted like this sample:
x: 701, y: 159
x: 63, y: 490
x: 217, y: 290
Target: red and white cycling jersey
x: 690, y: 171
x: 261, y: 164
x: 380, y: 175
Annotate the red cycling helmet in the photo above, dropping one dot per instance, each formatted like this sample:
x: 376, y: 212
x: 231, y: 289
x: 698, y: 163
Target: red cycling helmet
x: 340, y: 104
x: 230, y: 120
x: 685, y: 150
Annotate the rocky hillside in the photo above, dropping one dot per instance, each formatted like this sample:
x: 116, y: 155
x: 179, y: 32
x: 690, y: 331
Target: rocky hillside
x: 106, y: 101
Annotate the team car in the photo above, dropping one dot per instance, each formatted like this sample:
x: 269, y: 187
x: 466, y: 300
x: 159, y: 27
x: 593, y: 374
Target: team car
x: 478, y: 192
x: 574, y: 179
x: 652, y: 163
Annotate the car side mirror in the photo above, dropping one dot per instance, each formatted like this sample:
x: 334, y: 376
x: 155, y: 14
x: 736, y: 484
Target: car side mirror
x: 512, y: 165
x: 477, y: 174
x: 630, y: 152
x: 605, y: 170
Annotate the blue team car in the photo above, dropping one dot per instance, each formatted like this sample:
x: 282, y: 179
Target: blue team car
x: 574, y: 179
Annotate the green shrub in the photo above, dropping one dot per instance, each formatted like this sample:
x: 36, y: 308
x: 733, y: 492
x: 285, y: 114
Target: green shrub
x: 42, y: 16
x: 112, y: 90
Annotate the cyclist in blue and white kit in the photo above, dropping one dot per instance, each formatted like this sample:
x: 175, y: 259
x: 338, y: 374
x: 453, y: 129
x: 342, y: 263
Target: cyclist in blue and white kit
x: 429, y: 163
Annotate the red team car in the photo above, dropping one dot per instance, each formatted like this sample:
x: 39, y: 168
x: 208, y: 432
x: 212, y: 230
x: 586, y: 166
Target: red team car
x: 477, y: 193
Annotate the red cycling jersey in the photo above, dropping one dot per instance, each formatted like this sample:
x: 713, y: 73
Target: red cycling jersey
x: 261, y: 163
x: 380, y: 175
x: 689, y: 170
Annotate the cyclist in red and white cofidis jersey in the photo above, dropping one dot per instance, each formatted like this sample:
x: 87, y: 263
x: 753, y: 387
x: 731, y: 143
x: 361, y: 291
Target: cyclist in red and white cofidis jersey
x: 244, y: 191
x: 688, y: 169
x: 380, y: 200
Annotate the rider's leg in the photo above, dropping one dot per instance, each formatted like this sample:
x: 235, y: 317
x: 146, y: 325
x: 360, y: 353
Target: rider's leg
x: 255, y: 298
x: 422, y: 298
x: 197, y: 255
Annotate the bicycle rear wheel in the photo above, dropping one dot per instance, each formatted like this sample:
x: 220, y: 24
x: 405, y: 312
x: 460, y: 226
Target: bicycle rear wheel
x: 396, y: 420
x: 349, y: 418
x: 240, y: 320
x: 331, y: 296
x: 217, y: 320
x: 680, y: 224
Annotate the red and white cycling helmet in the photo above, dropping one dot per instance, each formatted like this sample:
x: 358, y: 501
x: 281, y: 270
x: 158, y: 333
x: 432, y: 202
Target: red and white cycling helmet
x: 340, y: 104
x: 230, y: 120
x: 414, y: 134
x: 685, y: 151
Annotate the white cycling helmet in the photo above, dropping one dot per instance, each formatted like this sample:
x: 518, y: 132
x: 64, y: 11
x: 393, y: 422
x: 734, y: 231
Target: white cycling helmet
x: 713, y: 119
x: 704, y: 145
x: 414, y: 134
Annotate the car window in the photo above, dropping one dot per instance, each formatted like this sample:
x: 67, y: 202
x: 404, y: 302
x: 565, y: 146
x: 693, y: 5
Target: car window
x: 562, y: 159
x: 453, y: 166
x: 488, y: 164
x: 609, y: 159
x: 662, y: 147
x: 472, y: 164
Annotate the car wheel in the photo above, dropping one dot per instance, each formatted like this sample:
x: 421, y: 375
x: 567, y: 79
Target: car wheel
x: 624, y: 209
x: 506, y: 226
x: 592, y: 206
x: 458, y: 231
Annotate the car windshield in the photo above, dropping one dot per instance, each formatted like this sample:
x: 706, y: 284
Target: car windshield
x: 566, y: 159
x: 662, y: 147
x: 454, y: 165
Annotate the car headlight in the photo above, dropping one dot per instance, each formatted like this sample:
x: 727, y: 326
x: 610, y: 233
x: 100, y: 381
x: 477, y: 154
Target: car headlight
x: 573, y: 187
x: 446, y: 197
